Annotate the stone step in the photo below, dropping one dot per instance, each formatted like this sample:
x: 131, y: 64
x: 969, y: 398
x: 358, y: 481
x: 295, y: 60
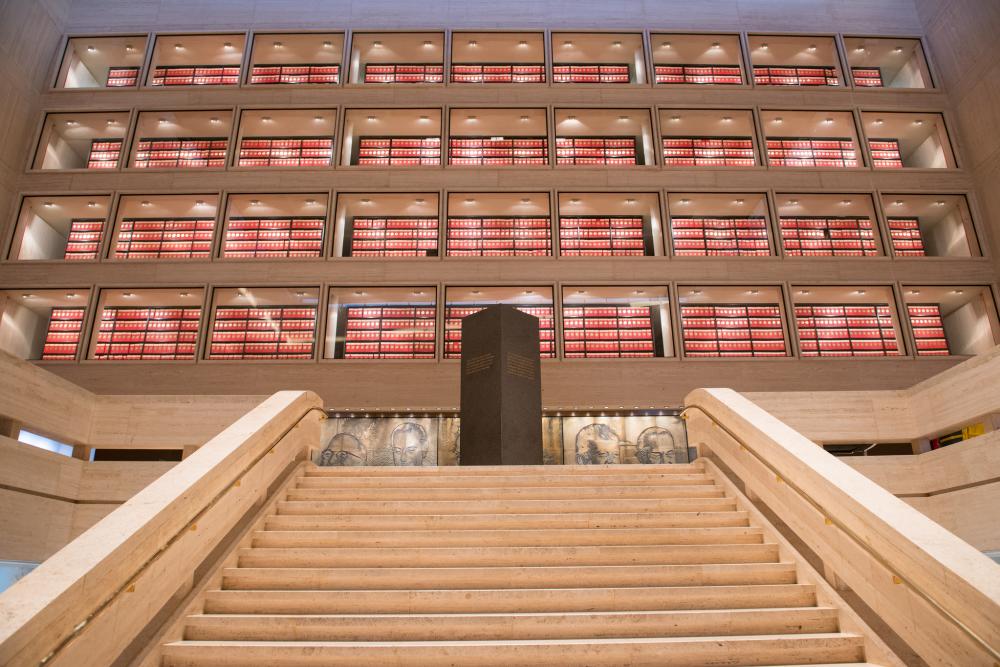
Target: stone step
x: 522, y: 537
x: 393, y: 557
x: 566, y: 576
x: 562, y: 493
x: 735, y: 651
x: 577, y: 521
x: 501, y: 600
x: 313, y: 470
x: 314, y: 481
x: 333, y: 507
x: 510, y: 626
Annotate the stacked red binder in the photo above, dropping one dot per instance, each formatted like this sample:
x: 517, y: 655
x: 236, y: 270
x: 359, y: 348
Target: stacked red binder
x: 498, y: 73
x: 846, y: 330
x: 63, y: 336
x: 603, y: 331
x: 263, y: 332
x: 828, y: 236
x: 717, y: 75
x: 181, y: 153
x: 392, y: 236
x: 153, y: 333
x: 719, y: 236
x: 733, y: 330
x: 498, y: 236
x: 604, y: 236
x: 286, y: 152
x: 196, y: 75
x: 928, y: 329
x: 295, y: 74
x: 165, y: 238
x: 282, y: 236
x: 453, y: 315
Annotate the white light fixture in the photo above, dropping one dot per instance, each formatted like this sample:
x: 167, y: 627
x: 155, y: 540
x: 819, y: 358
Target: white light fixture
x: 696, y: 292
x: 525, y: 200
x: 92, y: 204
x: 715, y: 45
x: 377, y: 44
x: 804, y: 292
x: 215, y: 120
x: 49, y: 204
x: 428, y: 42
x: 129, y: 48
x: 529, y: 291
x: 72, y: 123
x: 523, y: 42
x: 666, y: 45
x: 879, y: 121
x: 327, y: 44
x: 366, y: 201
x: 727, y: 119
x: 753, y: 292
x: 764, y: 46
x: 574, y: 200
x: 424, y: 119
x: 184, y: 294
x: 472, y: 118
x: 567, y: 44
x: 278, y: 45
x: 255, y: 202
x: 128, y: 295
x: 860, y: 292
x: 859, y: 49
x: 675, y: 118
x: 914, y: 291
x: 318, y: 119
x: 845, y: 202
x: 470, y: 200
x: 266, y: 119
x: 793, y: 202
x: 778, y: 120
x: 827, y: 121
x: 178, y: 46
x: 898, y: 49
x: 200, y: 202
x: 473, y: 42
x: 476, y: 292
x: 372, y: 119
x: 570, y: 117
x: 812, y: 48
x: 228, y: 45
x: 71, y: 295
x: 419, y: 201
x: 685, y: 201
x: 525, y: 119
x: 581, y: 291
x: 616, y: 43
x: 146, y: 203
x: 300, y: 293
x: 738, y: 202
x: 939, y: 202
x: 163, y: 121
x: 92, y: 48
x: 624, y: 118
x: 898, y: 202
x: 630, y: 200
x: 958, y: 291
x: 418, y: 292
x: 112, y: 121
x: 359, y: 293
x: 918, y: 122
x: 639, y: 291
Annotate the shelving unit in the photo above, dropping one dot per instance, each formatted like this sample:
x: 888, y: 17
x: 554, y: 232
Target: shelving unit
x: 792, y: 75
x: 867, y: 77
x: 928, y: 329
x: 181, y: 153
x: 498, y: 150
x: 828, y: 236
x: 385, y: 331
x: 104, y: 153
x: 498, y: 73
x: 195, y: 75
x: 604, y: 236
x: 716, y: 75
x: 708, y: 151
x: 165, y: 238
x: 846, y: 330
x: 905, y: 236
x: 286, y: 152
x: 498, y: 236
x: 62, y: 338
x: 733, y: 330
x: 592, y: 73
x: 598, y: 150
x: 84, y: 239
x: 835, y: 152
x: 122, y: 77
x: 295, y: 74
x: 398, y: 151
x: 404, y: 73
x: 719, y: 236
x: 391, y: 236
x: 147, y: 333
x: 453, y: 315
x: 275, y: 236
x: 885, y: 154
x: 264, y: 332
x: 611, y: 331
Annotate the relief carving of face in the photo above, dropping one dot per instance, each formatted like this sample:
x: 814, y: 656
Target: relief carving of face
x: 655, y: 445
x: 344, y: 450
x: 597, y: 444
x: 409, y: 444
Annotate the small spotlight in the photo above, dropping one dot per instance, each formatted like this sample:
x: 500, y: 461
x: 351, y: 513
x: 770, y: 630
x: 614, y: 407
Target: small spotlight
x: 327, y: 44
x: 918, y: 122
x: 525, y: 119
x: 525, y: 200
x: 178, y: 46
x: 359, y: 293
x: 310, y: 202
x: 214, y: 120
x: 859, y: 49
x: 49, y: 204
x: 696, y: 292
x: 419, y: 201
x: 812, y: 48
x: 845, y: 202
x: 318, y: 119
x: 804, y: 292
x: 200, y: 202
x: 147, y: 203
x: 300, y: 293
x: 129, y: 48
x: 738, y: 202
x: 92, y: 48
x: 675, y: 118
x: 472, y: 118
x: 793, y: 202
x: 778, y: 120
x: 366, y: 201
x: 266, y: 119
x: 666, y: 45
x: 898, y: 202
x: 92, y: 204
x: 958, y: 291
x: 715, y: 45
x: 473, y: 42
x: 567, y: 44
x: 764, y: 46
x: 377, y: 44
x: 827, y: 121
x: 860, y: 292
x: 570, y: 117
x: 616, y: 43
x: 372, y: 119
x: 529, y: 291
x: 939, y: 202
x: 523, y: 42
x: 470, y: 200
x: 255, y: 202
x: 278, y: 45
x: 727, y: 119
x: 898, y: 49
x: 184, y: 294
x: 163, y: 121
x: 753, y: 292
x: 574, y: 200
x: 685, y: 201
x: 128, y: 295
x: 879, y: 121
x: 228, y: 45
x: 27, y: 296
x: 630, y: 200
x: 72, y: 123
x: 71, y: 295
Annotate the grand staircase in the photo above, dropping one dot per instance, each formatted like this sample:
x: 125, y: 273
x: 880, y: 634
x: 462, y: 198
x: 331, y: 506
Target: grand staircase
x: 562, y: 565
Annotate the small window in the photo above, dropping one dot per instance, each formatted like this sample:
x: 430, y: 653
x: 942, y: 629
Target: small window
x: 43, y: 325
x: 165, y: 227
x: 91, y: 141
x: 731, y: 321
x: 498, y: 224
x: 102, y: 62
x: 610, y: 224
x: 497, y: 57
x: 258, y: 323
x: 197, y: 60
x: 392, y: 138
x: 369, y: 323
x: 275, y: 225
x: 397, y: 57
x: 604, y: 137
x: 463, y: 301
x: 182, y: 139
x: 296, y: 59
x: 708, y: 138
x: 847, y: 321
x: 930, y: 226
x: 601, y: 58
x: 616, y: 322
x: 397, y: 224
x: 712, y: 60
x: 907, y: 140
x: 48, y: 444
x: 147, y: 325
x: 285, y: 138
x: 498, y: 137
x: 827, y: 225
x: 67, y: 228
x: 706, y: 224
x: 953, y: 320
x: 887, y: 62
x: 795, y: 60
x: 811, y: 139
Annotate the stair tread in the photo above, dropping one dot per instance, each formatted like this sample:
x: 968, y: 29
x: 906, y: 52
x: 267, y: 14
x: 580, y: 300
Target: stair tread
x: 550, y: 614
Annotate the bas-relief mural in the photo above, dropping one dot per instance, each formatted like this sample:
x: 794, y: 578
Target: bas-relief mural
x: 429, y: 441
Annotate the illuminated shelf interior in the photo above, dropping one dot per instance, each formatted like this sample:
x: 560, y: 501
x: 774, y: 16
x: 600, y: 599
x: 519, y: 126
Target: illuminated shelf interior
x: 846, y: 330
x: 732, y: 330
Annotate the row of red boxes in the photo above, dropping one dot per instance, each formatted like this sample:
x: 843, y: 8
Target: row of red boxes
x: 144, y: 352
x: 602, y: 311
x: 122, y: 77
x: 181, y: 153
x: 928, y: 329
x: 295, y: 74
x: 104, y: 153
x: 846, y: 330
x: 498, y: 222
x: 196, y: 75
x: 596, y: 142
x: 388, y: 323
x: 498, y: 73
x: 906, y: 238
x: 792, y: 75
x: 394, y: 312
x: 63, y: 335
x: 576, y: 331
x: 84, y: 238
x: 700, y: 74
x: 274, y: 237
x: 735, y: 310
x: 591, y: 73
x: 867, y: 77
x: 403, y: 73
x: 885, y: 153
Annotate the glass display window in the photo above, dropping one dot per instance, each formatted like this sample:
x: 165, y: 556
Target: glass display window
x: 811, y: 139
x: 392, y: 138
x: 490, y: 137
x: 164, y: 227
x: 953, y: 320
x: 598, y: 57
x: 610, y: 224
x: 795, y: 60
x: 461, y: 301
x: 197, y: 60
x: 708, y: 138
x: 694, y: 59
x: 827, y: 225
x: 397, y: 57
x: 616, y: 322
x: 847, y: 321
x: 102, y: 62
x: 263, y: 323
x: 497, y: 57
x: 297, y: 59
x: 387, y: 224
x: 91, y: 141
x: 379, y: 323
x: 887, y: 62
x: 285, y: 138
x: 182, y: 139
x: 907, y: 140
x: 604, y: 137
x: 160, y: 324
x: 498, y: 224
x: 727, y: 321
x: 922, y: 225
x: 43, y: 325
x: 275, y: 225
x: 65, y: 227
x: 719, y: 224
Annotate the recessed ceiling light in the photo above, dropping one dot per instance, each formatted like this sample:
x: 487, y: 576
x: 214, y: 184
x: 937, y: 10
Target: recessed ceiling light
x: 112, y: 121
x: 472, y: 118
x: 184, y: 294
x: 163, y: 121
x: 665, y: 45
x: 529, y: 291
x: 793, y: 202
x: 727, y: 119
x: 675, y: 118
x: 215, y: 120
x: 128, y: 295
x: 581, y: 291
x: 48, y: 204
x: 827, y: 121
x: 71, y: 295
x: 898, y: 202
x: 753, y: 292
x: 914, y: 291
x: 715, y: 45
x: 200, y: 202
x: 377, y: 43
x: 72, y: 123
x: 570, y: 117
x: 476, y: 292
x: 812, y: 47
x: 898, y: 49
x: 803, y: 291
x: 525, y: 119
x: 739, y: 202
x: 523, y: 42
x: 918, y: 122
x: 318, y: 119
x: 146, y: 203
x: 958, y: 291
x: 473, y: 42
x: 567, y: 43
x: 470, y: 200
x: 574, y: 200
x: 859, y: 49
x: 278, y: 45
x: 327, y: 44
x: 359, y: 293
x: 616, y: 43
x: 129, y: 48
x: 525, y: 200
x: 778, y: 119
x: 860, y: 292
x: 228, y: 45
x: 639, y: 291
x: 685, y: 201
x: 428, y: 42
x: 879, y: 121
x: 300, y: 293
x: 372, y: 118
x: 630, y: 200
x: 764, y: 45
x: 255, y: 202
x: 92, y: 48
x: 178, y: 46
x: 92, y: 204
x: 624, y: 118
x: 696, y: 291
x: 845, y: 202
x: 939, y: 202
x: 310, y: 202
x: 266, y: 119
x: 418, y: 292
x: 419, y: 201
x: 366, y: 201
x: 27, y: 296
